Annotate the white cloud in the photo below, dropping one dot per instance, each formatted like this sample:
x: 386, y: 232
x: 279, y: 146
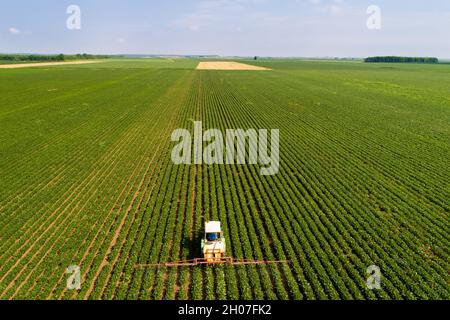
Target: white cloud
x: 13, y: 30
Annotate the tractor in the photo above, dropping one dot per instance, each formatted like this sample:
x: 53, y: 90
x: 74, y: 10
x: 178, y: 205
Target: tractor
x: 213, y: 250
x: 213, y: 242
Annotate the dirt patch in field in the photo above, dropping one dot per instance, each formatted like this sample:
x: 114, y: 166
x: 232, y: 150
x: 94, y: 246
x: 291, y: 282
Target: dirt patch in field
x: 225, y: 65
x: 42, y: 64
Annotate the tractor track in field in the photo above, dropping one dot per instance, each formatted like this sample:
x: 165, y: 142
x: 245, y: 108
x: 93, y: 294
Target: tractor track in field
x: 233, y: 175
x: 179, y: 274
x: 158, y: 286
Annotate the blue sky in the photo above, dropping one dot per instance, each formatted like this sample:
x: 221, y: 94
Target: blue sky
x: 228, y: 27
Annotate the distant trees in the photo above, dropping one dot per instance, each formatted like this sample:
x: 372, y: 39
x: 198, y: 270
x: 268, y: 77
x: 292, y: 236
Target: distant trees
x: 87, y: 56
x: 31, y: 57
x: 59, y: 57
x: 395, y: 59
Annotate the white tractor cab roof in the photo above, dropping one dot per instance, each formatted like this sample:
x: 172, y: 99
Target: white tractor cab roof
x: 213, y: 227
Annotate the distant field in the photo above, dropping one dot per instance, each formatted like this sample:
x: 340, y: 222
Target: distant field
x: 143, y: 63
x: 228, y: 65
x: 11, y: 62
x: 87, y: 179
x: 46, y: 64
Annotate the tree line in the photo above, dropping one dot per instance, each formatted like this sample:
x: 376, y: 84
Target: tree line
x: 402, y: 59
x: 59, y: 57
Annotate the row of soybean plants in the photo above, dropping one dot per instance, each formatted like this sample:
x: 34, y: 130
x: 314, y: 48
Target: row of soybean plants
x: 323, y: 146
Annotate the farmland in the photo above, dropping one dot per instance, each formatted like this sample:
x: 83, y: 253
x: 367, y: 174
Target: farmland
x: 87, y: 180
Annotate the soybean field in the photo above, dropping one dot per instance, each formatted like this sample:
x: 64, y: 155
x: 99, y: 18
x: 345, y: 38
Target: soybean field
x: 87, y: 180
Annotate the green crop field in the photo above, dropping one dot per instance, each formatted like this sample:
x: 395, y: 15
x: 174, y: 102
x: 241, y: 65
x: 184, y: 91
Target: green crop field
x: 86, y: 179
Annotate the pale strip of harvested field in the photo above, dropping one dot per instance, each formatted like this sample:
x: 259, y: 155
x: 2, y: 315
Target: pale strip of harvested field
x: 226, y: 65
x: 42, y: 64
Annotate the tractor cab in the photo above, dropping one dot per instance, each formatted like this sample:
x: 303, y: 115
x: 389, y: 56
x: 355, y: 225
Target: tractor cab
x: 213, y: 242
x: 212, y: 236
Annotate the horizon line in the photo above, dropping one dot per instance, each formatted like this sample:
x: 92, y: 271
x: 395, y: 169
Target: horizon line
x: 217, y: 55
